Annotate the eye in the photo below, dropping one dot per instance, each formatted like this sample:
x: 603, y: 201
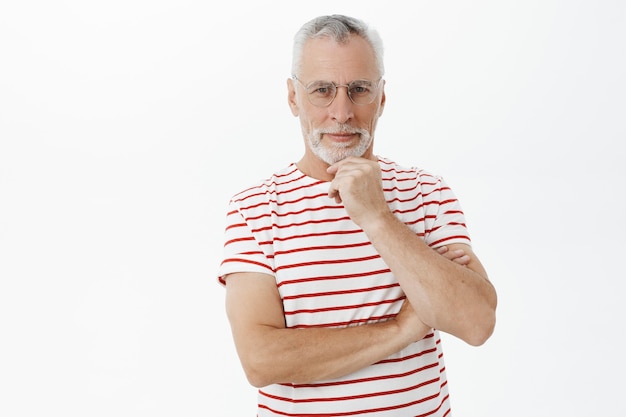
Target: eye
x: 321, y: 89
x: 360, y: 87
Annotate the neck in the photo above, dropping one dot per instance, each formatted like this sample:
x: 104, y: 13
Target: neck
x: 313, y: 167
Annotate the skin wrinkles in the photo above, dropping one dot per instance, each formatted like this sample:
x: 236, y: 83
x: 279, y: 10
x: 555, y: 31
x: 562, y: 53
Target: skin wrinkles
x: 341, y: 63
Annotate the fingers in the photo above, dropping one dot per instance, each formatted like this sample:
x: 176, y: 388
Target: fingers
x: 335, y: 167
x: 334, y: 193
x: 462, y: 260
x: 359, y: 171
x: 458, y: 256
x: 357, y: 184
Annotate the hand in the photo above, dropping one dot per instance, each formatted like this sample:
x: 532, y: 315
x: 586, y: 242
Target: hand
x: 410, y: 324
x: 458, y: 256
x: 358, y: 185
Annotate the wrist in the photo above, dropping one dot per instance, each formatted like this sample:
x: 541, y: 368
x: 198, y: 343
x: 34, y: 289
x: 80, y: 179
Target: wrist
x: 378, y: 223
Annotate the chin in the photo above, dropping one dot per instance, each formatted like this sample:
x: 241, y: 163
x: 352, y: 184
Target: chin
x: 332, y: 156
x: 331, y: 152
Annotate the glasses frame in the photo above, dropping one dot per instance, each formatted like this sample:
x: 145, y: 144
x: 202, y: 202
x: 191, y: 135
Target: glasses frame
x: 336, y: 86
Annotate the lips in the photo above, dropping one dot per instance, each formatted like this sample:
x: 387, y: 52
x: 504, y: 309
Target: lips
x: 341, y: 137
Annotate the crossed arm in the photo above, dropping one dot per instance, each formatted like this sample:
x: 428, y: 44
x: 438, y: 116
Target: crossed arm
x: 449, y: 286
x: 271, y: 353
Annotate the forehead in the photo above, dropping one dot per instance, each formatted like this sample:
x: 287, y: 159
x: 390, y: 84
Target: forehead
x: 326, y: 59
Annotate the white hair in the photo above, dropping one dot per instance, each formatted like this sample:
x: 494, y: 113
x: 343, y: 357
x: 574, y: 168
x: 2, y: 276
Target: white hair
x: 338, y: 28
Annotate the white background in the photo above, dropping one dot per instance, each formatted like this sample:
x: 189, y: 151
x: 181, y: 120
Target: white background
x: 125, y: 126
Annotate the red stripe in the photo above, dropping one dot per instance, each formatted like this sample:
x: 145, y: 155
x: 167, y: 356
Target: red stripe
x: 361, y: 380
x: 404, y: 190
x: 325, y: 247
x: 308, y: 222
x: 372, y: 319
x: 240, y: 239
x: 246, y: 261
x: 449, y: 238
x: 282, y: 203
x: 338, y: 232
x: 333, y: 277
x: 293, y: 213
x: 343, y: 307
x: 358, y: 412
x: 355, y: 397
x: 264, y: 189
x: 415, y: 355
x: 235, y: 225
x: 323, y: 294
x: 328, y: 262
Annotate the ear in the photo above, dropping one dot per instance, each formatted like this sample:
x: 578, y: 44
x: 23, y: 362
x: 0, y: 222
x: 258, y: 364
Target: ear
x: 291, y: 97
x: 383, y: 99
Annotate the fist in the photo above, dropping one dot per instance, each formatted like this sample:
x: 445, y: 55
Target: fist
x: 358, y: 185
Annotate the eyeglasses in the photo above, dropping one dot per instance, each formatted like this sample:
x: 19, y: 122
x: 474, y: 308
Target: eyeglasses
x: 322, y: 93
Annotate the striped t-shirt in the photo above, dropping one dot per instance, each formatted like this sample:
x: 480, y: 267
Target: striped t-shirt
x: 329, y: 275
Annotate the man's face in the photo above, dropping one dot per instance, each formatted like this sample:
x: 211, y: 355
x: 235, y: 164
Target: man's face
x: 342, y: 128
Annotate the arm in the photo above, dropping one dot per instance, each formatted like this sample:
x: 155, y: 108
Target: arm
x: 271, y: 353
x: 446, y: 295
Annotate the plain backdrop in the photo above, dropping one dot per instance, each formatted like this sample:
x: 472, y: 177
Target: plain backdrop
x: 125, y: 126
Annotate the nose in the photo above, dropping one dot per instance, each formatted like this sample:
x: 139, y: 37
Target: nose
x: 341, y: 108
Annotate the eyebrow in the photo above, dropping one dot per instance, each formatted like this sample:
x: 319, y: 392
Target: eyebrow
x: 363, y: 80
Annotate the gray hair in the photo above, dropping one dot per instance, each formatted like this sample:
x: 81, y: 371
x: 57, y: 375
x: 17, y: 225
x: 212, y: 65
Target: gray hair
x: 339, y: 28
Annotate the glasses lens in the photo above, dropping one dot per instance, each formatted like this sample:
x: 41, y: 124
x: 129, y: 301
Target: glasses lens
x: 362, y: 91
x: 321, y: 93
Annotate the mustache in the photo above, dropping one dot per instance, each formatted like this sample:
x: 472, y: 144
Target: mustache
x: 341, y: 128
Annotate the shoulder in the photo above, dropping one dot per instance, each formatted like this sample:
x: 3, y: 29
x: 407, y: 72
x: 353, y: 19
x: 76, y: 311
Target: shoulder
x: 392, y: 171
x: 269, y: 185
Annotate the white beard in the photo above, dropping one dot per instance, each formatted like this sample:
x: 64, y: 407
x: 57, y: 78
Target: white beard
x: 335, y: 152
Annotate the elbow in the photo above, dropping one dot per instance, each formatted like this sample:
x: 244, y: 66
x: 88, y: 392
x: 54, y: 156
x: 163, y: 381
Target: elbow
x: 483, y: 330
x: 481, y: 335
x: 261, y: 373
x: 256, y: 380
x: 256, y: 374
x: 485, y: 323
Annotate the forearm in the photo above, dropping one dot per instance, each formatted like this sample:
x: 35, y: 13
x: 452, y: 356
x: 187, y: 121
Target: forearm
x: 445, y: 295
x: 275, y: 355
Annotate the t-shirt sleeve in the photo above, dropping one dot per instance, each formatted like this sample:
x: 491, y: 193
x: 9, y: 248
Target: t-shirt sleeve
x: 242, y: 252
x: 447, y: 220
